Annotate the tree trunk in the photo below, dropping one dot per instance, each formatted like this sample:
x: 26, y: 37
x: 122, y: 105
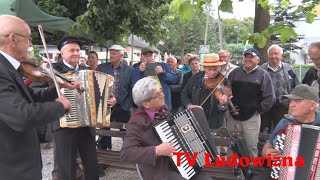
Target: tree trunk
x: 261, y: 21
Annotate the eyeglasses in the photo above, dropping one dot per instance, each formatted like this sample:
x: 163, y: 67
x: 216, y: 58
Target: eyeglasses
x: 158, y: 94
x: 21, y: 35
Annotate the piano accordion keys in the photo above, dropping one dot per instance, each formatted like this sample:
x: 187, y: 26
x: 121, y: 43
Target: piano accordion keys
x: 189, y: 132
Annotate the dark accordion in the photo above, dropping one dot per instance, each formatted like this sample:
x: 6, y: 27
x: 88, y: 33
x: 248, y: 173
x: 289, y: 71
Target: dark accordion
x: 89, y: 106
x: 298, y: 140
x: 189, y: 132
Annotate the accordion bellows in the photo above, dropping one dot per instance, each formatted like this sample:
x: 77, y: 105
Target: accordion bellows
x: 298, y: 140
x: 89, y: 106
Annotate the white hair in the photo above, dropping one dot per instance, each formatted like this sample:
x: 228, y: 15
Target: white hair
x: 275, y: 46
x: 143, y: 90
x: 172, y: 57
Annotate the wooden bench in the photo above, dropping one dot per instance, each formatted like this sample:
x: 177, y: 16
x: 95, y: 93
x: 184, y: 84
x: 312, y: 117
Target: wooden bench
x: 111, y: 158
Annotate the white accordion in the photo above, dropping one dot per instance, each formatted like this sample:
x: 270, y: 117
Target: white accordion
x: 89, y: 106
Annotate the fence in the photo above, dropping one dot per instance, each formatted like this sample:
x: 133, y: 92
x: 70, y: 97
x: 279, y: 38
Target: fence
x: 300, y: 72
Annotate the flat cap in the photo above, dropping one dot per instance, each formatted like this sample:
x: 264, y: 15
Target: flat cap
x: 116, y: 47
x: 304, y: 91
x: 147, y: 49
x: 68, y: 40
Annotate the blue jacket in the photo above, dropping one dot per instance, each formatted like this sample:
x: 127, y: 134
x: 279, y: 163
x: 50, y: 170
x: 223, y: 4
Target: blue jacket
x: 125, y: 94
x: 166, y: 78
x: 284, y: 122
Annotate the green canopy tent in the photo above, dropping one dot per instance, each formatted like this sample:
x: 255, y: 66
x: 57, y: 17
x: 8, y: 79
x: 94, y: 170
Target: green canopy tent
x: 33, y: 15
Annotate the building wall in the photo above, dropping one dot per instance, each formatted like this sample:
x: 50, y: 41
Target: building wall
x: 309, y: 33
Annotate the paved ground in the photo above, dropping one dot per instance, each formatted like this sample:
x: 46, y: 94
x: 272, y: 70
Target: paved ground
x: 111, y: 174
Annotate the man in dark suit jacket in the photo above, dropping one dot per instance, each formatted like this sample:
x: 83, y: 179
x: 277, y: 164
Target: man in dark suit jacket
x: 70, y: 140
x: 122, y: 88
x: 22, y: 109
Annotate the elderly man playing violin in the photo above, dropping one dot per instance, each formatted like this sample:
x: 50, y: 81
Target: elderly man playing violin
x: 197, y: 91
x: 21, y: 108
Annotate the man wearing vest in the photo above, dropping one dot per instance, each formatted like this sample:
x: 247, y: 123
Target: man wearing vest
x: 284, y: 80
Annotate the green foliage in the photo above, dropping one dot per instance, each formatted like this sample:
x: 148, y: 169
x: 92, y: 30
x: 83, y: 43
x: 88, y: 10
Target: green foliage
x: 236, y: 51
x: 36, y: 53
x: 186, y: 36
x: 226, y: 6
x: 283, y: 27
x: 186, y: 8
x: 113, y: 19
x: 234, y: 28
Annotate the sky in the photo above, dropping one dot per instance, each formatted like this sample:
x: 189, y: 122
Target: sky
x: 242, y: 9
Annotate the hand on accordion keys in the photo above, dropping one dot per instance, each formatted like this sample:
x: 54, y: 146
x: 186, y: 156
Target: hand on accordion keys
x: 269, y: 149
x: 65, y: 102
x: 165, y: 149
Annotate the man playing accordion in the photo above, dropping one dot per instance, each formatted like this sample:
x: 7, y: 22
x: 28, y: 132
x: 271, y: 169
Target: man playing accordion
x: 303, y: 104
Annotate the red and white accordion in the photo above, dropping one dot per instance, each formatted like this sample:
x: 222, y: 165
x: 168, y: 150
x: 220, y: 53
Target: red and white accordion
x: 298, y: 140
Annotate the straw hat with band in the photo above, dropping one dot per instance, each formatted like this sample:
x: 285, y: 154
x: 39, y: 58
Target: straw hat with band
x: 212, y: 60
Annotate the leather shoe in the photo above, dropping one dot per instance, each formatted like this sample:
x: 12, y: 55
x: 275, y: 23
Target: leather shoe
x: 55, y: 178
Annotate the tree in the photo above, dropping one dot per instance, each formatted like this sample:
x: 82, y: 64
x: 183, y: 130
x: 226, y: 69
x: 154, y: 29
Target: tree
x: 261, y: 22
x: 285, y: 15
x: 113, y: 19
x: 233, y: 28
x: 183, y: 36
x: 263, y: 29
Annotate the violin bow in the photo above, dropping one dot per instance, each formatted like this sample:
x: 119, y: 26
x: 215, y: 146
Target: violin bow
x: 224, y: 77
x: 50, y: 64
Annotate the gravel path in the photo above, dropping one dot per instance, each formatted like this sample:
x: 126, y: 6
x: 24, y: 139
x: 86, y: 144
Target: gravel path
x: 111, y: 174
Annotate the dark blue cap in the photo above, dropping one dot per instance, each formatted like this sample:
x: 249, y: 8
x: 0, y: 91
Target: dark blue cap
x: 68, y: 40
x: 251, y: 51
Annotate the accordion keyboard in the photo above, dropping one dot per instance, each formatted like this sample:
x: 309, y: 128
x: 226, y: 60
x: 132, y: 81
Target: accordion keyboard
x: 168, y: 135
x: 72, y: 116
x: 186, y: 134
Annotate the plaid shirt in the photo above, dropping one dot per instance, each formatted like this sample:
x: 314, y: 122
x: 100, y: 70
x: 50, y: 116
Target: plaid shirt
x: 116, y: 84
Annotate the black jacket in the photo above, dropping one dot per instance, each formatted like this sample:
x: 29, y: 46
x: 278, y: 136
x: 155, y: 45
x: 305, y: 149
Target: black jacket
x: 311, y: 76
x: 21, y: 111
x: 192, y: 94
x: 252, y: 92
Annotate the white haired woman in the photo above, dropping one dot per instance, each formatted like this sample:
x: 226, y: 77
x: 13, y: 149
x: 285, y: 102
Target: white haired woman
x: 141, y: 145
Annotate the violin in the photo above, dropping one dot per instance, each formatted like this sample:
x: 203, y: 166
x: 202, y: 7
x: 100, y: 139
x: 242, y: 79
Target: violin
x: 36, y: 72
x: 217, y: 87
